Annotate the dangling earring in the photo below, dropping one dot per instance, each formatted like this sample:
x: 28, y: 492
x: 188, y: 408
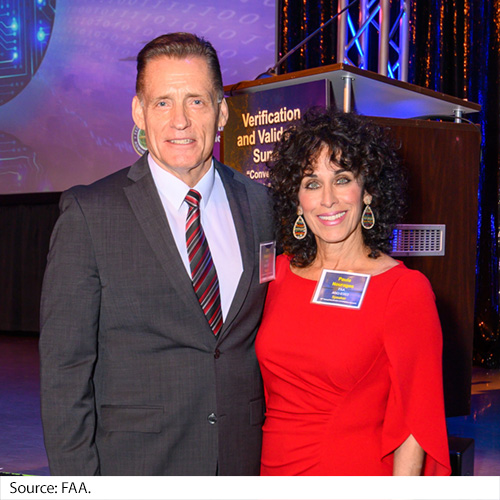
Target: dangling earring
x: 368, y: 218
x: 299, y: 228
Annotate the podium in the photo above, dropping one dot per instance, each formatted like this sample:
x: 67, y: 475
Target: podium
x: 442, y: 159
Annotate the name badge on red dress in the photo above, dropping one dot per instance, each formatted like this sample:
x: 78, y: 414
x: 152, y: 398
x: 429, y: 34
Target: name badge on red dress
x: 344, y: 289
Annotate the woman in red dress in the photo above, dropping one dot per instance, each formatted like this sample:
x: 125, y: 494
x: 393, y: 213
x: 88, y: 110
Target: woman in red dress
x: 351, y: 360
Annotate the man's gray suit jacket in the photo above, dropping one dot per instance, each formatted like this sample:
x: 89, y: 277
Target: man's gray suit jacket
x: 133, y: 381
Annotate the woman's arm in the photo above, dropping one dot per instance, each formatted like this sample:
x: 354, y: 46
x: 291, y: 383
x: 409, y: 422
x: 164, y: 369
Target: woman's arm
x: 408, y: 458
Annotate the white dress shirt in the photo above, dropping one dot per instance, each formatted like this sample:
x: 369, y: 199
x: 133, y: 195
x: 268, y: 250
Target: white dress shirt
x: 216, y: 219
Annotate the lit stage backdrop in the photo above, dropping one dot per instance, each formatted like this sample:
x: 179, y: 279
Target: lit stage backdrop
x: 67, y: 78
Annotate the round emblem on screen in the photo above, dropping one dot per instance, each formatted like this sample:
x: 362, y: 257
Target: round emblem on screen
x: 139, y: 140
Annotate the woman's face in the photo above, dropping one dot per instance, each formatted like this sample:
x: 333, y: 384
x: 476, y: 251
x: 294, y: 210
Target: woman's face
x: 332, y: 200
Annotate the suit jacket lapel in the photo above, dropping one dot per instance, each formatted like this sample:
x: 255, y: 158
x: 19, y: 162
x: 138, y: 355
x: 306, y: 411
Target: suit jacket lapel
x: 240, y: 210
x: 147, y: 206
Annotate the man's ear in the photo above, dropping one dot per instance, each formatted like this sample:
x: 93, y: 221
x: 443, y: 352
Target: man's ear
x: 223, y: 113
x: 138, y: 113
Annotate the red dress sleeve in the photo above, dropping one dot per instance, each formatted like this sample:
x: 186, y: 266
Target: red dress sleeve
x: 413, y: 343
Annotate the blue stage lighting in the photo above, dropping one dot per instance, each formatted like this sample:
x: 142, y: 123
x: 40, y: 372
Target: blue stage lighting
x: 352, y: 29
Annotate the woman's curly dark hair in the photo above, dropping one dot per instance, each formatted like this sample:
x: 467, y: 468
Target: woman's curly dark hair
x: 356, y: 144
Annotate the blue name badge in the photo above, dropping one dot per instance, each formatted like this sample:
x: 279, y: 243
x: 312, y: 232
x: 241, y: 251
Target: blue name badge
x: 336, y: 288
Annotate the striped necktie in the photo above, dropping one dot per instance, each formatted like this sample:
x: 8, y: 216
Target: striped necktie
x: 203, y: 272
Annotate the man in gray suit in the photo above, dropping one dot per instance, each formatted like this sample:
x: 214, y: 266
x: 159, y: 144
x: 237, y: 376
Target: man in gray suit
x: 140, y: 375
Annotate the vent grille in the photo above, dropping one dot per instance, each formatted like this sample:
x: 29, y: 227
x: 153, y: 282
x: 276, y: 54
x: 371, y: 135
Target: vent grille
x: 418, y: 240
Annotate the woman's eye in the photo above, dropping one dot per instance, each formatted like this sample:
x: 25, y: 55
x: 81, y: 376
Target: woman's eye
x: 312, y: 185
x: 343, y: 180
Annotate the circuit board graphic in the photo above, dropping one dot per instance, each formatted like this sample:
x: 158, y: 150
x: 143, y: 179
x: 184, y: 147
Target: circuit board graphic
x: 25, y: 29
x: 19, y: 165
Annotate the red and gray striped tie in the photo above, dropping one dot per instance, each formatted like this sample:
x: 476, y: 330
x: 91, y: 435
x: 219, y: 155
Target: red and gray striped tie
x: 203, y: 273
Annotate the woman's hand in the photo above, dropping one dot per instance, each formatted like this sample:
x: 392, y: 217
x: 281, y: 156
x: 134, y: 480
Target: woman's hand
x: 408, y: 458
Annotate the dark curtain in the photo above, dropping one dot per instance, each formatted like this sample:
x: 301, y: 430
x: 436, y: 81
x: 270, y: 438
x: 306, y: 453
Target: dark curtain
x: 26, y: 222
x: 454, y: 49
x: 296, y: 21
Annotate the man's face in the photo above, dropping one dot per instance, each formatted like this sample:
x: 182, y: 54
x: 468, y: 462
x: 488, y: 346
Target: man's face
x: 179, y: 113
